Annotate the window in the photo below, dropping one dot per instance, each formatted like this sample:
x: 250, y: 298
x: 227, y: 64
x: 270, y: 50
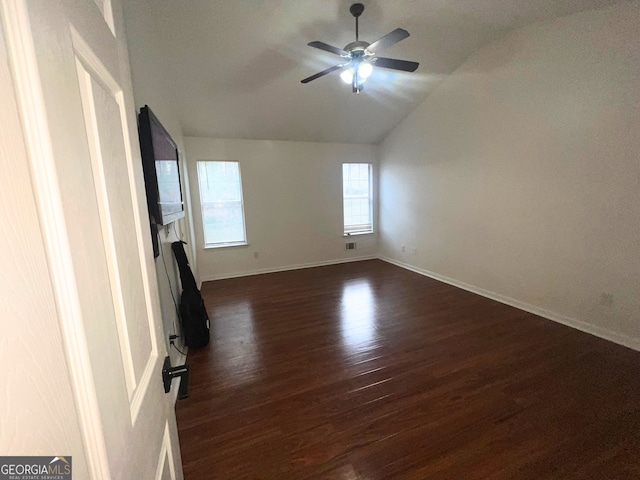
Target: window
x: 221, y: 202
x: 357, y: 198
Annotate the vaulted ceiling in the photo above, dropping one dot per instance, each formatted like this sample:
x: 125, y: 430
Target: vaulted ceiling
x: 235, y: 66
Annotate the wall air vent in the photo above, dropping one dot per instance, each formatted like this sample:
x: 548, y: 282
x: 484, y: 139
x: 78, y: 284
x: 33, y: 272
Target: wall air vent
x: 350, y: 246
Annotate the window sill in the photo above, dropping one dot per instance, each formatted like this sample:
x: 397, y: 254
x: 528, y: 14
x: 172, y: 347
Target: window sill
x: 226, y: 245
x: 358, y: 233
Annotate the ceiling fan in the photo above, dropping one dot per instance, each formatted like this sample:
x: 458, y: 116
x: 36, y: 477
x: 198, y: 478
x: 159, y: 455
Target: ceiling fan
x: 360, y: 57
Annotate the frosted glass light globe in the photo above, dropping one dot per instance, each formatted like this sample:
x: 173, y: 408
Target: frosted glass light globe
x: 347, y: 75
x: 364, y: 70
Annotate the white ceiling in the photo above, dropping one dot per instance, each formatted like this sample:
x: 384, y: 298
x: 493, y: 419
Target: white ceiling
x: 236, y: 66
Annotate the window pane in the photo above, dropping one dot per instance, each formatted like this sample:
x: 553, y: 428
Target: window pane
x: 357, y: 197
x: 222, y: 207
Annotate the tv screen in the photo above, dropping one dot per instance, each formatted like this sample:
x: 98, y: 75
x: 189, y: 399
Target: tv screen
x: 161, y: 169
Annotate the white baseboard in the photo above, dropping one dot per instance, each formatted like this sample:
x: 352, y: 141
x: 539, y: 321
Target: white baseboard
x: 604, y: 333
x: 208, y: 278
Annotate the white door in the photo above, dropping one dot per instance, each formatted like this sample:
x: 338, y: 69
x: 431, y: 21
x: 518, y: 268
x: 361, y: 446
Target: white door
x: 71, y: 73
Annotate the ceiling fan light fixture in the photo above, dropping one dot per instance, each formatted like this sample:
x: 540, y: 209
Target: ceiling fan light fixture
x: 347, y: 75
x: 359, y: 57
x: 365, y: 69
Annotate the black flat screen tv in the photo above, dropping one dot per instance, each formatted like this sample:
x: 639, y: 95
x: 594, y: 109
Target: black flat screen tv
x: 161, y: 169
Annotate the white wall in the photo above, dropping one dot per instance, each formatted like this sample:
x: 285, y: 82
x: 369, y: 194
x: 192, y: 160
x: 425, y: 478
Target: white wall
x: 519, y: 176
x: 292, y: 201
x: 151, y: 87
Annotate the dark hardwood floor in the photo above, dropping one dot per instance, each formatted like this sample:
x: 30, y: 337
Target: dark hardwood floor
x: 368, y: 371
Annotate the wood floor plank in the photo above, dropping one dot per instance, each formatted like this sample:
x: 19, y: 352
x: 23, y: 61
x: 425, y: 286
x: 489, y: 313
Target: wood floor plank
x: 368, y: 371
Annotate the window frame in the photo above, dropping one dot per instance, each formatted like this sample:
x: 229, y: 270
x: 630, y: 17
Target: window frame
x: 370, y: 198
x: 225, y: 244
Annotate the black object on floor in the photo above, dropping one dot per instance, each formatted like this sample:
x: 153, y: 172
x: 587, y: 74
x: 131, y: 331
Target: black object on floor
x: 193, y: 313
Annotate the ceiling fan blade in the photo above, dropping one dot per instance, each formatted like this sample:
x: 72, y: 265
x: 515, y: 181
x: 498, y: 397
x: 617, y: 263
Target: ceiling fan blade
x: 328, y: 48
x: 396, y: 64
x: 388, y: 40
x: 323, y: 73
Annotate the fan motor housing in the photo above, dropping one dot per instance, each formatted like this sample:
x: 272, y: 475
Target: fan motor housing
x: 356, y: 47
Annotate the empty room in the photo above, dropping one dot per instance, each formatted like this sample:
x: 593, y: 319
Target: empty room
x: 320, y: 240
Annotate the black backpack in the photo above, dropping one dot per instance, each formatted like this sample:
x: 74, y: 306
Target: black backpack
x: 193, y: 313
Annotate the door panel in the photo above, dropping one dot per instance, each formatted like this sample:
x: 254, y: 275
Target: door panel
x: 105, y: 9
x: 102, y: 110
x: 166, y: 468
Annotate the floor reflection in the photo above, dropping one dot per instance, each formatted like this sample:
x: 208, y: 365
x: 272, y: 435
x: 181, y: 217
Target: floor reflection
x: 357, y: 316
x: 234, y: 335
